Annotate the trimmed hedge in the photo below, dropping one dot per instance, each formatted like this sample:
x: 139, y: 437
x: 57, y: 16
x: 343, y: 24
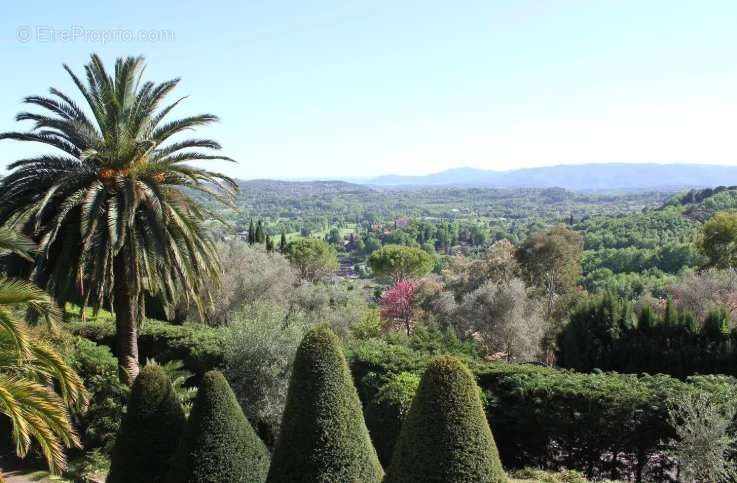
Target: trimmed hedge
x: 606, y: 425
x: 386, y: 412
x: 218, y: 443
x: 99, y: 421
x: 445, y: 437
x: 323, y: 435
x: 199, y: 347
x: 604, y: 333
x: 149, y: 432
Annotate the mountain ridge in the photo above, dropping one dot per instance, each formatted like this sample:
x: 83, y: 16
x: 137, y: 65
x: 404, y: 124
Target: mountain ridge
x: 579, y: 177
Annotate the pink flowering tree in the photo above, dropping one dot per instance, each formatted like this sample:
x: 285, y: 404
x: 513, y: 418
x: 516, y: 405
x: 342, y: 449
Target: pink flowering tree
x: 398, y: 304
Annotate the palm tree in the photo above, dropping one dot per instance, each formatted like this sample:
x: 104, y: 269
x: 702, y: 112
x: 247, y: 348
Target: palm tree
x: 30, y: 369
x: 114, y: 212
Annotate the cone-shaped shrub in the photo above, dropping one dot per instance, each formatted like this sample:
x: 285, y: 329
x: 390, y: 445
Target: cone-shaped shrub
x: 323, y: 435
x: 218, y: 443
x: 445, y: 437
x: 149, y: 432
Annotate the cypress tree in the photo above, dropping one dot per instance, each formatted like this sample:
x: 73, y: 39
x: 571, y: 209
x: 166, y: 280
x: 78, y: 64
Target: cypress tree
x: 323, y: 436
x: 149, y: 432
x: 716, y: 324
x: 646, y: 322
x: 445, y: 437
x: 283, y: 243
x: 251, y: 234
x: 218, y: 443
x: 260, y: 238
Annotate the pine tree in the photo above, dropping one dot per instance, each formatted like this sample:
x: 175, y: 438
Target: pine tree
x: 445, y: 437
x: 251, y: 234
x: 149, y: 432
x: 323, y: 436
x: 218, y: 443
x: 283, y: 243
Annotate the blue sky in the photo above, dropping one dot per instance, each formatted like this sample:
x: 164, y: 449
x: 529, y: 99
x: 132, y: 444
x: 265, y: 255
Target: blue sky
x: 363, y: 88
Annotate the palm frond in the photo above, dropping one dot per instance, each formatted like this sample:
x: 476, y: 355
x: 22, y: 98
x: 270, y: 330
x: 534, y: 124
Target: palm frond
x: 37, y: 413
x: 13, y: 291
x: 13, y: 241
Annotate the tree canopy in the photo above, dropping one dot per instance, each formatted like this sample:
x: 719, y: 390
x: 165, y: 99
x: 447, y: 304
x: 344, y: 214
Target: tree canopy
x: 398, y: 262
x: 313, y: 258
x: 114, y: 214
x: 719, y: 240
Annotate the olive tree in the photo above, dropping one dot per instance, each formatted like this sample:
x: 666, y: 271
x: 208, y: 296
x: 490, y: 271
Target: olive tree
x: 250, y: 276
x: 503, y: 319
x: 704, y: 441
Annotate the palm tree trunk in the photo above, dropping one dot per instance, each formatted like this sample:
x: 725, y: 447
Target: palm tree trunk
x: 125, y: 304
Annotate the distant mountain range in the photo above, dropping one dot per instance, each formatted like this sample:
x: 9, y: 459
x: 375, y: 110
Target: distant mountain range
x: 579, y: 177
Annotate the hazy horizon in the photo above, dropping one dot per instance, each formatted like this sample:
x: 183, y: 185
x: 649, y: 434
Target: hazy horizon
x: 339, y: 177
x: 349, y: 90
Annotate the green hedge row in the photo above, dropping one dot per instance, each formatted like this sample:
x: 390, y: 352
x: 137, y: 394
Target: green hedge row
x: 604, y: 424
x: 606, y: 333
x: 445, y: 437
x: 200, y: 347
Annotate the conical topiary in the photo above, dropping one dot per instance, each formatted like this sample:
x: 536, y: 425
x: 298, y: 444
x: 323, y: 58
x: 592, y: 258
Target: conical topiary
x: 323, y: 435
x: 218, y: 443
x: 445, y: 437
x: 149, y: 432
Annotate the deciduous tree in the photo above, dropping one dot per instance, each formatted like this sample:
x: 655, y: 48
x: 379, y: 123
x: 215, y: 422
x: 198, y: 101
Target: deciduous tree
x: 551, y: 261
x: 398, y: 304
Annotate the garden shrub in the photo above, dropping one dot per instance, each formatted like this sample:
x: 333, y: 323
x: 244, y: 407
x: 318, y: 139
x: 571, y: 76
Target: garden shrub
x: 178, y: 376
x: 323, y: 435
x: 704, y: 446
x: 199, y: 347
x: 99, y: 421
x: 445, y: 437
x: 540, y: 476
x: 259, y: 353
x: 218, y: 443
x: 375, y: 361
x: 386, y: 412
x: 149, y: 432
x: 551, y: 418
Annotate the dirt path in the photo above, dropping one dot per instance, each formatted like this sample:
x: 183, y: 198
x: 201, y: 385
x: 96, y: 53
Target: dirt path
x: 17, y: 471
x: 27, y: 477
